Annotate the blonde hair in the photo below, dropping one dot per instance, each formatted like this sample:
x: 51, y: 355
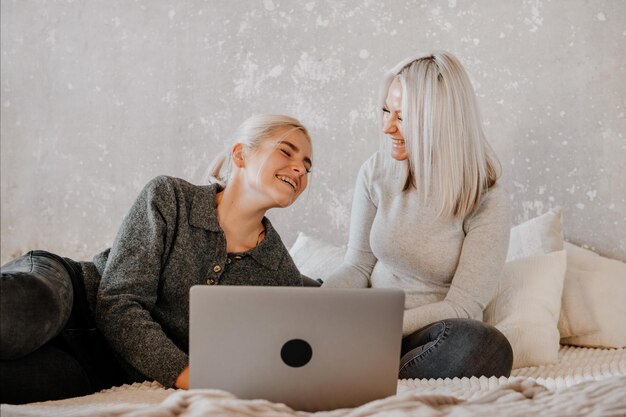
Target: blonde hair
x: 449, y: 159
x: 251, y: 133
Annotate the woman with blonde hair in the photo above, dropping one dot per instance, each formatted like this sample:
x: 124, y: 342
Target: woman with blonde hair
x: 429, y: 216
x: 72, y: 328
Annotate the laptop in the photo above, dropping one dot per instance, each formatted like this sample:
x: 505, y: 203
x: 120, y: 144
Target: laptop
x: 310, y: 348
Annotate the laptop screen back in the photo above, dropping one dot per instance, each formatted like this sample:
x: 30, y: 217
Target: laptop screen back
x: 310, y: 348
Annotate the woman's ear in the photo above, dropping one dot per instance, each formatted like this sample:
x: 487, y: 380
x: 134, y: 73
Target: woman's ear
x: 237, y: 154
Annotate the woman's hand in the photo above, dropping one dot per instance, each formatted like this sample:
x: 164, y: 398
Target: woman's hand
x: 182, y: 381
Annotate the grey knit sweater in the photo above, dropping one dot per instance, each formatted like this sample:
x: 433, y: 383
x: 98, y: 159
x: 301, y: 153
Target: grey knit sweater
x: 447, y: 268
x: 169, y: 241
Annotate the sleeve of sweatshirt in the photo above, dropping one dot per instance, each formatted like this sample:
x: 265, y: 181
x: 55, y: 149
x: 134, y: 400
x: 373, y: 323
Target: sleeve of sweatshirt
x: 359, y: 261
x: 130, y: 281
x: 479, y: 268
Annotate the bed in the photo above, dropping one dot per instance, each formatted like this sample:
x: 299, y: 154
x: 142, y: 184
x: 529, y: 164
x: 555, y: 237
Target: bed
x: 560, y: 305
x: 583, y: 382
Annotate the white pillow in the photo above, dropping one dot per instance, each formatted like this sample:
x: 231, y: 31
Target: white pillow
x: 537, y: 236
x: 544, y: 234
x: 577, y: 316
x: 314, y: 258
x: 603, y: 282
x: 527, y: 305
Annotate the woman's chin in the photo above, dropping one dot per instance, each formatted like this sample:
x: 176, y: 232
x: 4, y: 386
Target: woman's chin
x: 283, y: 201
x: 399, y: 154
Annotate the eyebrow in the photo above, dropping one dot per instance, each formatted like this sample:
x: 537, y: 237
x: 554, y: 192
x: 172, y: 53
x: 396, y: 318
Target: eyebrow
x: 296, y: 149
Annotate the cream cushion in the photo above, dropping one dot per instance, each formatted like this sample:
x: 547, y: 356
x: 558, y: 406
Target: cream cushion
x: 544, y: 234
x: 314, y: 258
x: 603, y: 282
x: 537, y: 236
x: 527, y: 305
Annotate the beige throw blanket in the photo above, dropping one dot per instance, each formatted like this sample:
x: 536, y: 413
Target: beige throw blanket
x: 520, y: 397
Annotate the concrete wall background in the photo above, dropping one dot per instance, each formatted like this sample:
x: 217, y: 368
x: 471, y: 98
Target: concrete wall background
x: 100, y: 96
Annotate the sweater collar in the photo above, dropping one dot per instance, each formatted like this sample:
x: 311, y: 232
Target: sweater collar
x: 203, y: 209
x: 265, y: 252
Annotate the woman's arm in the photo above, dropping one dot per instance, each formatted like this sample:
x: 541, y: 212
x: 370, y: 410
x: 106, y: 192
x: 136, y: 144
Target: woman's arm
x: 359, y: 260
x: 480, y: 264
x: 130, y: 282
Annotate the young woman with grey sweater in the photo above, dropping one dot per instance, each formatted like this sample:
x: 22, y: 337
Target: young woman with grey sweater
x: 71, y: 328
x: 428, y: 216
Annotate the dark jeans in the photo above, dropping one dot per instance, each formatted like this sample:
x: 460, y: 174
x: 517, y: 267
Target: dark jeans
x: 50, y: 347
x: 456, y: 348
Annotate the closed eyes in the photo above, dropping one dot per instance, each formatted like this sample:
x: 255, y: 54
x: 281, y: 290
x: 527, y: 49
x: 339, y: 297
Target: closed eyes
x: 288, y: 154
x: 386, y: 110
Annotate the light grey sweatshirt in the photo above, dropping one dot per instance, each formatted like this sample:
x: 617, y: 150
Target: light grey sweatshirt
x: 447, y: 268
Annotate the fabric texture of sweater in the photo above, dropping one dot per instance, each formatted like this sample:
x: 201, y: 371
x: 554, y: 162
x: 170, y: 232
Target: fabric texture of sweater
x: 447, y: 268
x: 169, y: 241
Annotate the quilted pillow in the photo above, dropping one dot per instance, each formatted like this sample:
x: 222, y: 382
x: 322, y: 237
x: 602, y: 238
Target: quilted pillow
x: 603, y: 281
x: 527, y: 305
x: 538, y: 236
x: 315, y: 258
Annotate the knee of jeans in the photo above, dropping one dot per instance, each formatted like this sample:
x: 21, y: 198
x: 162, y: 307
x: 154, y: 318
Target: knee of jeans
x: 496, y: 351
x: 37, y: 299
x: 478, y: 336
x: 464, y: 348
x: 503, y: 347
x: 486, y: 333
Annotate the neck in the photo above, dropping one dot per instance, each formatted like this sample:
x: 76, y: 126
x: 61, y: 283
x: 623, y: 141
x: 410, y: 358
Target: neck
x: 240, y: 219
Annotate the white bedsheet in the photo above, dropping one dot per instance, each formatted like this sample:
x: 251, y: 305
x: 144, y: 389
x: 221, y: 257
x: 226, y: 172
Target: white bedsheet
x: 584, y: 381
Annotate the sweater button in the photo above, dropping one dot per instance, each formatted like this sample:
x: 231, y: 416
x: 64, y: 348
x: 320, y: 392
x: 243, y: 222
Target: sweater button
x: 217, y: 268
x: 210, y: 281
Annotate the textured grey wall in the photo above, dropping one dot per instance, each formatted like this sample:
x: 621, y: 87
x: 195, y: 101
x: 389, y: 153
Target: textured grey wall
x: 100, y: 96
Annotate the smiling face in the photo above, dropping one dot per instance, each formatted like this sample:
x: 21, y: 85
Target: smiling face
x: 278, y: 169
x: 392, y: 120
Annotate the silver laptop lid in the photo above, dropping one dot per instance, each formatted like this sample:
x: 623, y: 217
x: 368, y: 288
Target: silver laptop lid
x: 310, y: 348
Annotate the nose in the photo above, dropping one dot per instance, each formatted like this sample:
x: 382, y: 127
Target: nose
x: 299, y: 167
x: 389, y: 124
x: 301, y: 175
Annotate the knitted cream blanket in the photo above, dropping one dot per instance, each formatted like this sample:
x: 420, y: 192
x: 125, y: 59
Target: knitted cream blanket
x: 583, y: 382
x: 521, y: 397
